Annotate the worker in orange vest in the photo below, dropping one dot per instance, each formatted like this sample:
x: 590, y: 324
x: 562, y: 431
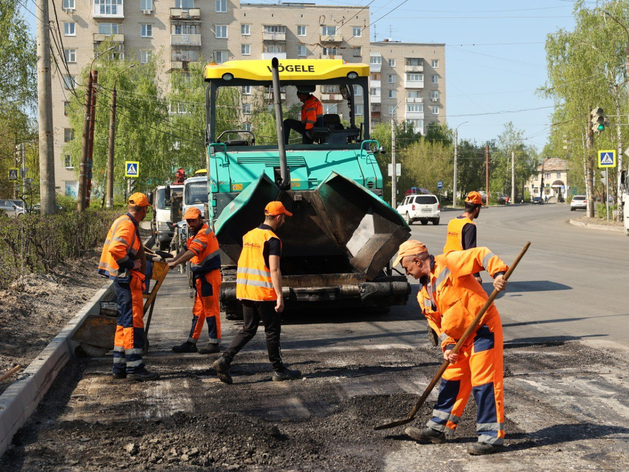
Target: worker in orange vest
x: 456, y: 298
x: 311, y: 115
x: 203, y: 253
x: 123, y: 261
x: 259, y: 289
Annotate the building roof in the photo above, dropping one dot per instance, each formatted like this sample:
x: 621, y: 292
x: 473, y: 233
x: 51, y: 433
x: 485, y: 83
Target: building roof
x: 553, y: 164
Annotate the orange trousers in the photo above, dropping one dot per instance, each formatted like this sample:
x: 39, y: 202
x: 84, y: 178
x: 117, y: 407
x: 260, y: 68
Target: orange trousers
x: 206, y: 307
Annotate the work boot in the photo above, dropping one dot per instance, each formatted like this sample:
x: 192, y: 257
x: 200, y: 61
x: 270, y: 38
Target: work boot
x: 143, y: 375
x: 119, y: 375
x: 210, y: 348
x: 221, y: 366
x: 426, y: 435
x: 185, y: 347
x: 482, y: 448
x: 432, y: 336
x: 286, y: 374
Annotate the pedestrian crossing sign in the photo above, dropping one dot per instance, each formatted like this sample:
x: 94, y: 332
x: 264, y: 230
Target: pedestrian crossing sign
x: 131, y: 169
x: 13, y: 173
x: 606, y: 159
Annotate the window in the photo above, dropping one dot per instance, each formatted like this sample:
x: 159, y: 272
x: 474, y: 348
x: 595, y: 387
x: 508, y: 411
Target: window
x: 274, y: 48
x: 373, y: 91
x: 245, y: 49
x: 558, y: 175
x: 246, y: 108
x: 356, y: 51
x: 329, y: 51
x: 434, y: 79
x: 68, y: 5
x: 392, y: 109
x: 147, y: 31
x: 185, y: 55
x: 246, y: 90
x: 70, y: 55
x: 301, y: 30
x: 221, y: 56
x: 418, y: 125
x: 108, y: 28
x: 69, y: 28
x: 359, y: 110
x: 145, y: 56
x: 246, y: 126
x: 184, y: 3
x: 414, y: 61
x: 415, y: 107
x: 68, y: 135
x: 357, y: 31
x: 392, y: 79
x: 435, y: 109
x: 185, y: 28
x: 434, y: 63
x: 434, y: 95
x: 221, y: 6
x: 391, y: 93
x: 67, y: 162
x: 375, y: 60
x: 413, y: 94
x: 302, y: 50
x: 391, y: 62
x: 221, y: 31
x: 358, y: 91
x: 245, y: 30
x: 66, y: 108
x: 547, y: 175
x: 69, y: 81
x: 107, y: 7
x: 328, y: 30
x: 146, y: 5
x: 330, y: 108
x: 274, y: 29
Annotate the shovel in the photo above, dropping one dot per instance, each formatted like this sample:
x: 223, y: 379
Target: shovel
x: 472, y: 327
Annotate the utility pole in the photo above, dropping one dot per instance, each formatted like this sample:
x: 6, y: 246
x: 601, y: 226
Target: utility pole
x: 80, y: 206
x: 44, y: 102
x: 512, y: 177
x: 90, y: 147
x: 23, y: 170
x: 393, y: 166
x: 487, y: 173
x: 456, y: 160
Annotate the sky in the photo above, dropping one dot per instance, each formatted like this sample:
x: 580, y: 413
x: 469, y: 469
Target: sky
x: 495, y: 57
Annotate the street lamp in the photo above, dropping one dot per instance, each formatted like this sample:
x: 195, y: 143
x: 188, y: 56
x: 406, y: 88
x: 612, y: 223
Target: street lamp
x: 112, y: 141
x: 454, y: 186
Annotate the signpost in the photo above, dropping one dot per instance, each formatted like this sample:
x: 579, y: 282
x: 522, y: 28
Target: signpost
x: 606, y: 159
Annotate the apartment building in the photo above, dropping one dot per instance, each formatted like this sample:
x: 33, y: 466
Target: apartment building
x: 184, y: 31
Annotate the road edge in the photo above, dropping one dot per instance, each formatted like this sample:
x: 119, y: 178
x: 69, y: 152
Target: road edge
x: 21, y: 398
x: 618, y: 229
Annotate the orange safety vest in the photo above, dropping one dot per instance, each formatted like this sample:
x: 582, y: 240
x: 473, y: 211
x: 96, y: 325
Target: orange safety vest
x: 253, y: 280
x: 205, y: 247
x: 454, y: 297
x: 454, y: 239
x: 311, y: 112
x: 122, y: 244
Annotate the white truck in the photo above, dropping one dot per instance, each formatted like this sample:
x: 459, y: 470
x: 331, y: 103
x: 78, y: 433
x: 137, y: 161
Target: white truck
x: 162, y: 223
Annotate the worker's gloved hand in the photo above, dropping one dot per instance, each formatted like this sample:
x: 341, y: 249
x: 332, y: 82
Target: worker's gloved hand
x: 137, y: 264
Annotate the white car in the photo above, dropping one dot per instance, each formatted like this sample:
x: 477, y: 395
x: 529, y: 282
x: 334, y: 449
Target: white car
x: 578, y: 202
x: 420, y: 207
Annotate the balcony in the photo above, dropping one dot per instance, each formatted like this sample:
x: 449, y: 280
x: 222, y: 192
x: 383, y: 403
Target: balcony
x: 375, y: 67
x: 414, y: 115
x: 375, y: 84
x: 331, y: 38
x: 408, y: 68
x: 331, y: 97
x: 116, y: 38
x: 267, y: 56
x: 273, y: 36
x: 108, y: 11
x: 185, y: 40
x: 415, y: 84
x: 414, y: 100
x: 185, y: 14
x: 375, y: 99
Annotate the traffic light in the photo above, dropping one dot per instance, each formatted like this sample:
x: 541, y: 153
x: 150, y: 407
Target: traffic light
x: 598, y: 120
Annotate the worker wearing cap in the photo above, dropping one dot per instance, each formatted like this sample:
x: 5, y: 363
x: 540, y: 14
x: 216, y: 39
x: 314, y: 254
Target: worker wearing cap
x: 259, y: 289
x: 311, y: 115
x: 123, y: 261
x: 203, y: 253
x: 462, y: 229
x: 456, y: 298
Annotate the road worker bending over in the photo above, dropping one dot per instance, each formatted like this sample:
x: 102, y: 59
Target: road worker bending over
x: 203, y: 254
x: 124, y: 262
x: 259, y: 289
x: 311, y: 115
x: 449, y: 287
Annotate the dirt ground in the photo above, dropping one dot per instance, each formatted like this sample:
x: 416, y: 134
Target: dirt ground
x: 35, y: 309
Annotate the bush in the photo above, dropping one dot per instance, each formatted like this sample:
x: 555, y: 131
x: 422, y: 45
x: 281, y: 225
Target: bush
x: 35, y: 244
x: 601, y: 211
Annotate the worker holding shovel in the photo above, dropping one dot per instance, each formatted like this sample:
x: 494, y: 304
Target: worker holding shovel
x: 477, y: 366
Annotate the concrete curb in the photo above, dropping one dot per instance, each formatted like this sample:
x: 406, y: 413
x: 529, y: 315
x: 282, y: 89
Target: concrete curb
x: 21, y: 398
x: 618, y: 229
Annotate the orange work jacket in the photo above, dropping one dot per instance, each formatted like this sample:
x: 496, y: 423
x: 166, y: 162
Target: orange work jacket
x: 253, y: 280
x: 311, y: 112
x: 122, y: 244
x: 453, y: 297
x: 454, y: 239
x: 205, y: 247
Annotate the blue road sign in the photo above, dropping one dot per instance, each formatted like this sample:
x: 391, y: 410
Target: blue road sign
x: 131, y: 169
x: 440, y: 184
x: 606, y: 159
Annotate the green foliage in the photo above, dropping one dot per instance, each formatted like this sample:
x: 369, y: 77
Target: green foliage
x: 601, y: 210
x: 24, y: 249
